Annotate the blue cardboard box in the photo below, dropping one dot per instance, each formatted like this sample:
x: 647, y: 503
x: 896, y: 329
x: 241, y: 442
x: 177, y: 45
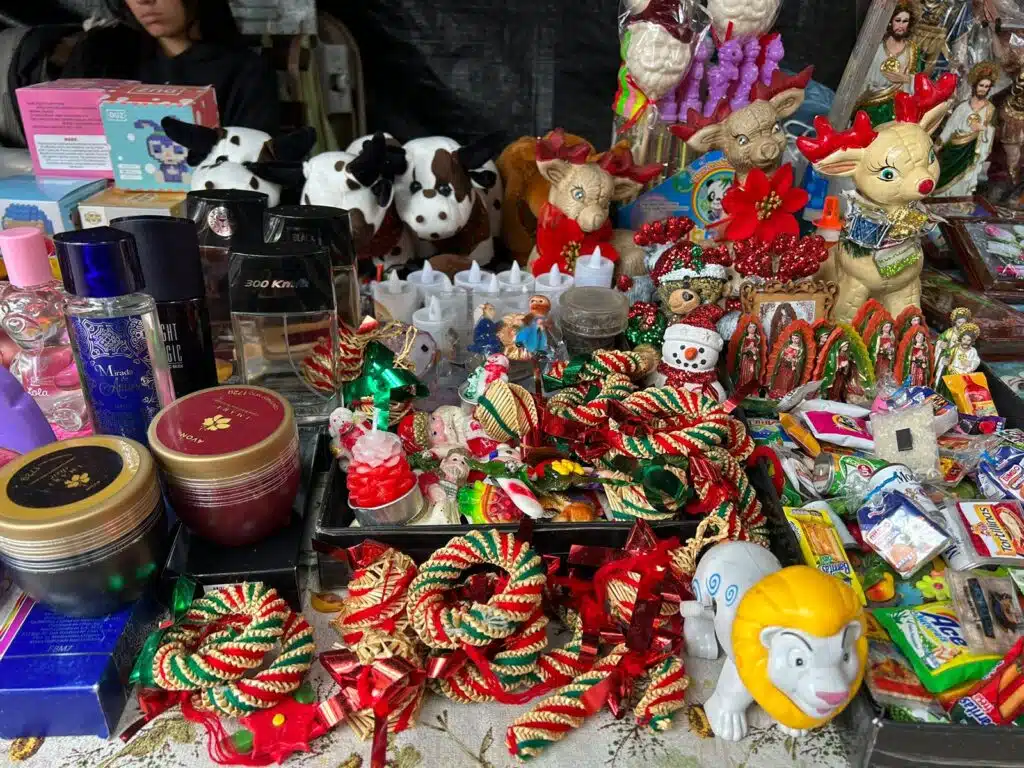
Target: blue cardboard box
x: 65, y: 676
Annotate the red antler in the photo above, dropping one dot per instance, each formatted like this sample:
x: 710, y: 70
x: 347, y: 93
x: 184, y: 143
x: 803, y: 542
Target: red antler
x: 829, y: 140
x: 553, y: 147
x: 695, y: 120
x: 910, y: 108
x: 780, y: 83
x: 618, y: 161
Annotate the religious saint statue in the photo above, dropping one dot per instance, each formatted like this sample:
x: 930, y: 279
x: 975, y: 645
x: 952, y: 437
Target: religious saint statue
x: 884, y: 351
x: 1011, y: 127
x: 750, y: 356
x: 893, y: 67
x: 948, y: 340
x: 964, y: 357
x: 787, y: 371
x: 966, y: 138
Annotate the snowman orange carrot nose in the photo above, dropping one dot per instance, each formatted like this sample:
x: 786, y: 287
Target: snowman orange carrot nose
x: 690, y: 353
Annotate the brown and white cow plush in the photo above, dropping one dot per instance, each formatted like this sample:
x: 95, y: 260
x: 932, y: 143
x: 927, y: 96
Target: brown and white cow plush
x: 361, y: 180
x: 450, y: 196
x: 227, y: 158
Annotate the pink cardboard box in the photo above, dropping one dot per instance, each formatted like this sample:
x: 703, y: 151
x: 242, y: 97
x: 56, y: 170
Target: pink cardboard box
x: 143, y: 156
x: 64, y: 128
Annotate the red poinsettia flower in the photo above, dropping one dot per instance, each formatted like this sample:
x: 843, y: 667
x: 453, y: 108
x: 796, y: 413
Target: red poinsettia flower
x: 764, y: 206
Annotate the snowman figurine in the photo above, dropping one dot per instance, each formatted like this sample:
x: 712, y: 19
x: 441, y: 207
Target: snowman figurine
x: 689, y: 353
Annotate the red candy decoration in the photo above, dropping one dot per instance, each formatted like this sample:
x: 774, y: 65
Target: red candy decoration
x: 375, y: 479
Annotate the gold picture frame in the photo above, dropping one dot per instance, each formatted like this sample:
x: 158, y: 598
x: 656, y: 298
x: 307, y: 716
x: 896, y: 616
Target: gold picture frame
x: 777, y: 304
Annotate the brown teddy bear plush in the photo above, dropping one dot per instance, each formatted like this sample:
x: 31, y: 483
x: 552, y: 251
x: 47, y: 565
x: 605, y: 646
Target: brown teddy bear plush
x: 688, y: 275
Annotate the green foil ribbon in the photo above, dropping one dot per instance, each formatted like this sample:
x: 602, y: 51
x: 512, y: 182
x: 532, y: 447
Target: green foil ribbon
x: 570, y: 374
x: 382, y: 381
x: 663, y: 489
x: 181, y: 600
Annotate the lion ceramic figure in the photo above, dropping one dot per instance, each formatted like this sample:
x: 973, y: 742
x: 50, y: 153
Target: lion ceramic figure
x: 879, y: 253
x: 794, y: 638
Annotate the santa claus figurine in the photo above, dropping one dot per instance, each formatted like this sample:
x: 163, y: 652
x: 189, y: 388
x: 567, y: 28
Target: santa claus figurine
x: 689, y: 353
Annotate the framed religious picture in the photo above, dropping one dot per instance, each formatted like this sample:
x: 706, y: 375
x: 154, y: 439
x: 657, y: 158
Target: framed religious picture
x: 1002, y: 326
x: 991, y: 253
x: 776, y: 304
x: 937, y: 246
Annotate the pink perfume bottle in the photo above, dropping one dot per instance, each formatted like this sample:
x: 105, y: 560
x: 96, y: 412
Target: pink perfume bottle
x: 32, y: 312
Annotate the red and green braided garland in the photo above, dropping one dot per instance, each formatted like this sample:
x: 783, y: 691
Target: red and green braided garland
x: 228, y: 633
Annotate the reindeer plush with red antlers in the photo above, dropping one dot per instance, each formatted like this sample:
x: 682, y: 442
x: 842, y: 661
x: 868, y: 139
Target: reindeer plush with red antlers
x: 574, y: 221
x: 751, y: 137
x: 879, y: 254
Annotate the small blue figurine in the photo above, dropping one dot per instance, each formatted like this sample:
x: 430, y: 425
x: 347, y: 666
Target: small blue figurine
x: 485, y: 332
x: 533, y: 336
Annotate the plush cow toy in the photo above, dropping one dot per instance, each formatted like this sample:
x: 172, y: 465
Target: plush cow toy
x: 450, y: 196
x: 361, y: 180
x: 227, y: 158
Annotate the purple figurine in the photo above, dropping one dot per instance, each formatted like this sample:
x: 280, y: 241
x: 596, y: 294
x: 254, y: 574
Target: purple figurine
x: 23, y: 427
x: 773, y: 53
x: 720, y: 76
x: 748, y: 74
x: 690, y: 89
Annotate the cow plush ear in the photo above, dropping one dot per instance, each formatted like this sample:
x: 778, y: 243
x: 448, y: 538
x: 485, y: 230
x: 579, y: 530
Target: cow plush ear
x: 198, y: 139
x: 292, y: 147
x: 475, y: 154
x: 368, y: 165
x: 285, y: 174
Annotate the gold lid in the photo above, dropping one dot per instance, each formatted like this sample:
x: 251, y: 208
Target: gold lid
x: 64, y: 491
x: 223, y: 432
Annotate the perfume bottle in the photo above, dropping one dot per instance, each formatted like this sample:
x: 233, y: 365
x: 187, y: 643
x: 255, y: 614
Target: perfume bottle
x: 32, y: 314
x: 285, y: 324
x: 114, y: 330
x: 327, y: 227
x: 223, y: 218
x: 169, y: 252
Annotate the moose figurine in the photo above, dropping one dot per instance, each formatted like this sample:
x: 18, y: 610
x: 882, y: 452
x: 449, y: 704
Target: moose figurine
x: 575, y: 221
x: 879, y: 254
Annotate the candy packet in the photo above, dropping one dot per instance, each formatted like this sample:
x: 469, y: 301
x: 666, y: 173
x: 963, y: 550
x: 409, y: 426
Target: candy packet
x: 900, y: 533
x: 891, y: 679
x: 999, y: 698
x: 764, y: 431
x: 970, y: 393
x: 906, y: 437
x: 985, y: 533
x: 989, y: 612
x: 799, y: 435
x: 1001, y: 473
x: 839, y: 429
x: 797, y: 472
x: 837, y: 522
x: 822, y: 547
x: 1012, y: 437
x: 836, y: 475
x: 907, y: 396
x: 932, y: 640
x: 979, y: 425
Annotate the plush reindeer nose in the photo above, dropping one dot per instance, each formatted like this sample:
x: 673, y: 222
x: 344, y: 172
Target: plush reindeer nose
x: 926, y: 186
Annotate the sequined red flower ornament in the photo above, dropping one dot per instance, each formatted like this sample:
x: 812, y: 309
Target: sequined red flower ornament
x: 764, y: 206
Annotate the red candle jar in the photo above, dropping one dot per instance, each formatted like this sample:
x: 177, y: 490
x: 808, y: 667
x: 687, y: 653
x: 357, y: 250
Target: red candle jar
x: 230, y: 456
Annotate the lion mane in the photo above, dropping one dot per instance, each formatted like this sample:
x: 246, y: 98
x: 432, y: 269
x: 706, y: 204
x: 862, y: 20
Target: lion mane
x: 801, y: 598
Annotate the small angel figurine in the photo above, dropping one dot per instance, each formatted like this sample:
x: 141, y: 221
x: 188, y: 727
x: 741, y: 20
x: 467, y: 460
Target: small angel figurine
x: 964, y: 357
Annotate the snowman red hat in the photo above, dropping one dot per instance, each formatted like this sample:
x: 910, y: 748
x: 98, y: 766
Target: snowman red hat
x: 698, y: 328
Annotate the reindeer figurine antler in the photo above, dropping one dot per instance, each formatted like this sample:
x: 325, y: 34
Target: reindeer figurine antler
x: 893, y: 167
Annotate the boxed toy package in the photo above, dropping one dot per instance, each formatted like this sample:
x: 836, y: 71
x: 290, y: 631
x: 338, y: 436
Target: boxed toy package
x: 103, y: 207
x: 143, y: 156
x: 64, y: 129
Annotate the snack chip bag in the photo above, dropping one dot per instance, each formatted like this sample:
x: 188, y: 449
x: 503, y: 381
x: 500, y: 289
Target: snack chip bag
x: 999, y: 698
x: 821, y: 546
x: 890, y: 677
x: 970, y: 393
x: 931, y: 638
x: 839, y: 429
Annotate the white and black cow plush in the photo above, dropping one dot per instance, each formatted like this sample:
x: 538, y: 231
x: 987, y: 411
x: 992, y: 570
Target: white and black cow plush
x: 227, y: 158
x: 450, y: 196
x: 361, y: 181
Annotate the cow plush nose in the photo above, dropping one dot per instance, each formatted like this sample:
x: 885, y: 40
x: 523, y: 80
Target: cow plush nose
x: 690, y: 353
x: 832, y: 699
x: 926, y: 186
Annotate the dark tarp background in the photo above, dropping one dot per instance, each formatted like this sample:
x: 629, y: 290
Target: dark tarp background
x: 467, y: 67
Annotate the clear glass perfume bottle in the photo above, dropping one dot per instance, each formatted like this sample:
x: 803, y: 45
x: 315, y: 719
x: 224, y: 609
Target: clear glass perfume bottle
x: 114, y: 330
x: 285, y: 324
x: 32, y: 314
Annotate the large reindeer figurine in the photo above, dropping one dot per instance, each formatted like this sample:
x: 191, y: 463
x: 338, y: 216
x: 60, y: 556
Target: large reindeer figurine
x: 879, y: 253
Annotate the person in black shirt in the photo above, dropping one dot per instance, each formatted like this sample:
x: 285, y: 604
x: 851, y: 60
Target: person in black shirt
x: 183, y: 42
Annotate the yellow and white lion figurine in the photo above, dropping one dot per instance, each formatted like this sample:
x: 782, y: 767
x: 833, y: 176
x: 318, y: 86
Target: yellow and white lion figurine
x: 794, y: 638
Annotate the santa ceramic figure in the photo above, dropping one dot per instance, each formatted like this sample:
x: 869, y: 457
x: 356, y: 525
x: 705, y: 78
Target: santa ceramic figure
x: 689, y: 353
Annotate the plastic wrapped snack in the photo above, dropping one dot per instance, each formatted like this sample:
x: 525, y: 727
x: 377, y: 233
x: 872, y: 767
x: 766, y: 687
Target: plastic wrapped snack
x: 990, y: 615
x: 898, y: 531
x: 907, y: 437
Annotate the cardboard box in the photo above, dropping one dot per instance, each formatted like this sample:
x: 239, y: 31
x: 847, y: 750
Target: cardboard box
x: 143, y: 156
x: 64, y: 129
x: 63, y: 676
x: 50, y: 204
x: 103, y: 207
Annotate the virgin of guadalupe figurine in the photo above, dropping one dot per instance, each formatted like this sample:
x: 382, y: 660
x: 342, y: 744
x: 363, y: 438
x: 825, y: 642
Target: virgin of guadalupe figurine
x: 866, y: 316
x: 748, y: 354
x: 964, y: 357
x: 893, y: 67
x: 949, y: 339
x: 914, y: 359
x: 791, y: 359
x: 843, y: 365
x: 966, y: 138
x: 908, y: 319
x: 882, y: 347
x: 822, y: 330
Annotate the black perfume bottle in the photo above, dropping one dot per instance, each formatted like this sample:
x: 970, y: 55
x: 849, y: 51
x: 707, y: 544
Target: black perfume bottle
x: 169, y: 253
